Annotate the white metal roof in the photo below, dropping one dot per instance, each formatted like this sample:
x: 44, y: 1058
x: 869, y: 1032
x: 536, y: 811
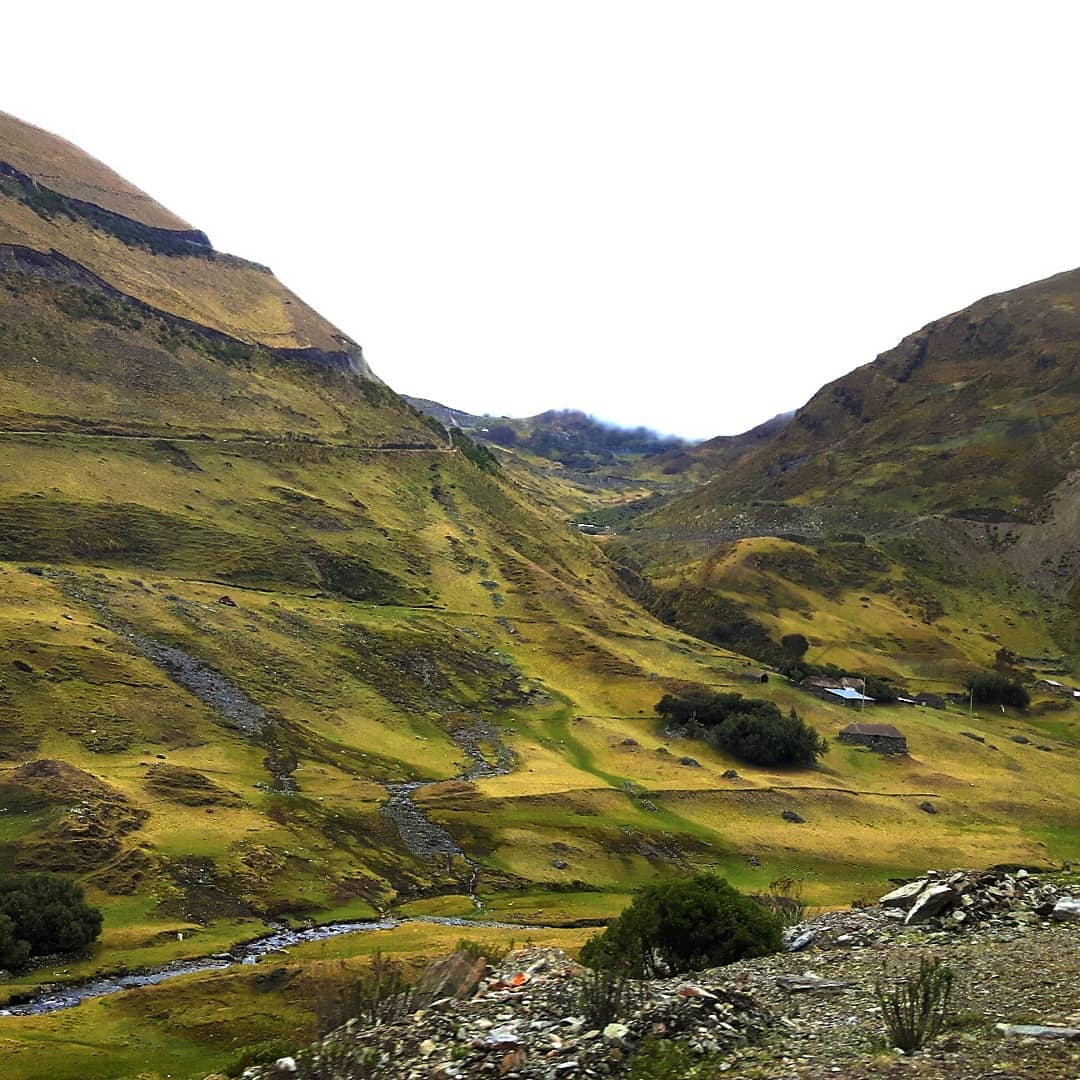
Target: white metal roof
x: 847, y: 693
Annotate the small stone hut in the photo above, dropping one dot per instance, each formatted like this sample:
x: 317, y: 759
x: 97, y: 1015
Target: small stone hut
x: 883, y: 738
x: 756, y: 676
x: 1052, y: 686
x: 817, y: 686
x: 930, y: 701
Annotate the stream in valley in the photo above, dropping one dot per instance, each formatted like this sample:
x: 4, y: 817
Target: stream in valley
x: 423, y: 837
x: 55, y: 998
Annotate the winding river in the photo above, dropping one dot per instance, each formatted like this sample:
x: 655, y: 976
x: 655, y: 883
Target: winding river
x: 67, y: 997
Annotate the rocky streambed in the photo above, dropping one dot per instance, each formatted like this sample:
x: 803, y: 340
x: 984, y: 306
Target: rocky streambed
x: 55, y: 998
x: 426, y: 838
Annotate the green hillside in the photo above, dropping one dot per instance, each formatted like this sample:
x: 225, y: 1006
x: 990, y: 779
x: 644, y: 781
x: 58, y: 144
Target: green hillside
x: 246, y: 591
x: 932, y: 488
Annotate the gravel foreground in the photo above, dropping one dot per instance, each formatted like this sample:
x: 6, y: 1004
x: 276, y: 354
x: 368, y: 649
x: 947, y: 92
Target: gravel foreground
x: 808, y: 1013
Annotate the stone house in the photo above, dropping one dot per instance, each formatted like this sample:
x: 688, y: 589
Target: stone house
x: 814, y: 684
x: 930, y: 701
x: 1052, y: 686
x: 883, y: 738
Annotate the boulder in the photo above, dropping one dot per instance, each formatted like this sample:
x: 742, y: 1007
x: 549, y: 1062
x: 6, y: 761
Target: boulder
x: 930, y: 902
x: 1040, y: 1031
x: 801, y: 941
x: 808, y: 982
x: 905, y: 895
x: 794, y: 818
x: 1067, y: 909
x: 456, y: 976
x: 618, y: 1035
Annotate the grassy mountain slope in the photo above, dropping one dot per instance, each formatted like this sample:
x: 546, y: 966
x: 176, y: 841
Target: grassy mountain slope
x: 64, y: 168
x: 244, y: 588
x: 930, y: 493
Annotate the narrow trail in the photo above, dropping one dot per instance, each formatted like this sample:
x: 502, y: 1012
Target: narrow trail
x: 424, y: 837
x: 242, y: 440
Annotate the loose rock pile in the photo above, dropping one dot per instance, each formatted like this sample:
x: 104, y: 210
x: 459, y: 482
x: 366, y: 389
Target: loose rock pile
x: 526, y: 1021
x: 968, y: 898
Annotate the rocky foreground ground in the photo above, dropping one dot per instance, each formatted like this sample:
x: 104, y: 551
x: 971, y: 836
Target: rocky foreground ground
x: 1013, y: 941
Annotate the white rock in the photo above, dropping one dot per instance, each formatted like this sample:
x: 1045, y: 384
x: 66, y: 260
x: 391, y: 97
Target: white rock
x: 285, y: 1064
x: 615, y: 1034
x: 427, y: 1048
x: 1066, y: 910
x: 905, y: 896
x: 800, y: 942
x: 1039, y: 1031
x: 930, y: 902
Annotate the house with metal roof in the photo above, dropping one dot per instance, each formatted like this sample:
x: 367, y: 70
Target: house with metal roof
x: 848, y: 695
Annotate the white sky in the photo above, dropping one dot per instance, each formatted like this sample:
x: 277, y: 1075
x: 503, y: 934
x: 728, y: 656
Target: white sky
x: 687, y: 215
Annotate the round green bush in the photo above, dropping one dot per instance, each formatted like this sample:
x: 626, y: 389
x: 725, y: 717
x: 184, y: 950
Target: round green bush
x: 42, y: 914
x: 684, y: 924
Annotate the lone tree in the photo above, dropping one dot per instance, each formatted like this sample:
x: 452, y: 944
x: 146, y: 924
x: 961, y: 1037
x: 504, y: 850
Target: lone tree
x: 42, y: 914
x: 794, y: 646
x: 684, y: 924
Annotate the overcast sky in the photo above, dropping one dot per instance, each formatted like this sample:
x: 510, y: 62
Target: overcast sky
x: 686, y: 215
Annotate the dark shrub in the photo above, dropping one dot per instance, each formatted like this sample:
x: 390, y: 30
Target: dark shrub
x: 916, y: 1008
x: 993, y: 688
x: 475, y: 452
x: 685, y: 924
x: 880, y: 689
x: 14, y: 951
x: 42, y: 914
x: 794, y: 645
x: 749, y: 728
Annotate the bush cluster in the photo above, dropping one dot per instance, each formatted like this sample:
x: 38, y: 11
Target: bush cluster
x: 751, y: 729
x: 475, y: 452
x: 42, y: 914
x: 684, y: 924
x: 993, y: 688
